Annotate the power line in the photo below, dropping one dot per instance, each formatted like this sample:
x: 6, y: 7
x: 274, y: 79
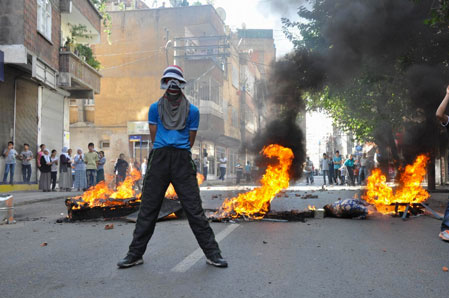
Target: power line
x: 128, y: 63
x: 128, y: 53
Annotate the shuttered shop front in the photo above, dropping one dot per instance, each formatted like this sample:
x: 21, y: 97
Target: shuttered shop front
x: 52, y: 125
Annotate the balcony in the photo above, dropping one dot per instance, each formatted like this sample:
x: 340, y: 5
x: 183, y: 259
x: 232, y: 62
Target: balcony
x: 77, y: 77
x: 81, y: 12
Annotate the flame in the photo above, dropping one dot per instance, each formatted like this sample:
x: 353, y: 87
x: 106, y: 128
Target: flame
x: 98, y: 195
x: 255, y: 204
x: 311, y: 208
x: 125, y: 190
x: 410, y: 190
x: 171, y: 216
x: 171, y: 193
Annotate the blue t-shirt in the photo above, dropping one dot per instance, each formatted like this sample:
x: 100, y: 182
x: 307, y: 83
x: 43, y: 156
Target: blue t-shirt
x: 337, y: 162
x: 173, y: 138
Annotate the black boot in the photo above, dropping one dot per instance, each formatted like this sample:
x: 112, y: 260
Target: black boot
x: 217, y: 261
x: 129, y: 261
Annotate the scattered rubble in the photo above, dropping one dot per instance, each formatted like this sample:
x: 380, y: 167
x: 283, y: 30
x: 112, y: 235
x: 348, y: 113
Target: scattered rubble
x: 109, y: 227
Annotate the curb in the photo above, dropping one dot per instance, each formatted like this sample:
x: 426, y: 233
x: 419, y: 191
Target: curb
x: 18, y: 187
x: 30, y: 202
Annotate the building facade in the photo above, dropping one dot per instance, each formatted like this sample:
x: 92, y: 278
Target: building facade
x: 222, y: 80
x: 40, y: 74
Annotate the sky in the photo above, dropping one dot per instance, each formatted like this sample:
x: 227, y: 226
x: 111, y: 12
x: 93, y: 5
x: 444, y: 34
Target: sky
x: 256, y: 14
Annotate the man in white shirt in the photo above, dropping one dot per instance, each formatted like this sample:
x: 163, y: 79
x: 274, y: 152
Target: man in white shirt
x: 325, y: 167
x: 143, y: 168
x: 205, y: 166
x: 222, y: 162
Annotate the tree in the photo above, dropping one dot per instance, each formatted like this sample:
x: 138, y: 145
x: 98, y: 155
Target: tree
x: 384, y: 64
x: 179, y: 3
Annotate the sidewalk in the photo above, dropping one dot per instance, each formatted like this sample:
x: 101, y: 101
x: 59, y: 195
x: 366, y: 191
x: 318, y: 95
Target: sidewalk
x: 30, y: 197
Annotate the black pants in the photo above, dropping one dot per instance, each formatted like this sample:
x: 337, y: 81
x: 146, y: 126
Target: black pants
x: 222, y: 173
x: 338, y: 176
x: 165, y: 166
x: 239, y: 176
x: 205, y: 173
x: 351, y: 175
x: 54, y: 175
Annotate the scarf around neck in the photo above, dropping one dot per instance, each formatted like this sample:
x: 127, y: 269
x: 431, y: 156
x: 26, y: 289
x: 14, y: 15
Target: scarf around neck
x: 47, y: 157
x: 173, y: 111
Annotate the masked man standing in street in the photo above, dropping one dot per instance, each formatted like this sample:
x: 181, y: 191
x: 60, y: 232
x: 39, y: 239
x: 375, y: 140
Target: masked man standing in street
x: 173, y: 122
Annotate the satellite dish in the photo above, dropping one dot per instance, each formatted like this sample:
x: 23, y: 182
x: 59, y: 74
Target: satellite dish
x: 222, y: 13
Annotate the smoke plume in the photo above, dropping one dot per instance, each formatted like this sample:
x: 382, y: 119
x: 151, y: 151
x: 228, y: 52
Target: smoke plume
x: 370, y: 36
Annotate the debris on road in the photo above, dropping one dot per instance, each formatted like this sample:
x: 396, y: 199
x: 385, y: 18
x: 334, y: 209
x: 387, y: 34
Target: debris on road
x: 271, y: 216
x: 445, y: 269
x: 319, y: 213
x: 109, y: 227
x: 44, y: 244
x: 307, y: 196
x: 169, y: 207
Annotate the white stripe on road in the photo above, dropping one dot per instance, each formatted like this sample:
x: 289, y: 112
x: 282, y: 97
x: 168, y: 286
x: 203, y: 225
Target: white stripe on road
x: 195, y: 256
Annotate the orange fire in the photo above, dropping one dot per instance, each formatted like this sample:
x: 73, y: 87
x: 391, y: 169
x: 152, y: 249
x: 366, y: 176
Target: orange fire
x: 410, y: 190
x: 171, y: 193
x: 255, y: 204
x: 98, y: 195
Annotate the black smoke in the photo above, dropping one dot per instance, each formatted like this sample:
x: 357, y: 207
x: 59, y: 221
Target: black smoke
x: 291, y: 77
x: 389, y: 39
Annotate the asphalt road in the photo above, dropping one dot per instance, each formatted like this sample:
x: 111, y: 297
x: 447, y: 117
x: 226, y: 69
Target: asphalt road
x: 378, y: 257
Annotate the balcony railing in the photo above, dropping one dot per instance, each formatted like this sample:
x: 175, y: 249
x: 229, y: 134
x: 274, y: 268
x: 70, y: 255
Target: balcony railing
x: 76, y: 76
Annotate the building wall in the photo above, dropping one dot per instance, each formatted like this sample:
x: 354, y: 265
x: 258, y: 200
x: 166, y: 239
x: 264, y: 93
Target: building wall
x: 117, y: 137
x: 26, y: 114
x: 231, y: 96
x: 52, y: 119
x: 11, y: 22
x: 44, y: 49
x: 7, y: 106
x: 133, y: 63
x: 132, y: 67
x: 89, y: 11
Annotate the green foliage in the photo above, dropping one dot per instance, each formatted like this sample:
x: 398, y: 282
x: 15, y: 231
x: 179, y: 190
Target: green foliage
x: 197, y: 3
x: 439, y: 15
x: 179, y: 3
x: 106, y: 17
x: 86, y: 52
x: 376, y: 99
x: 78, y: 31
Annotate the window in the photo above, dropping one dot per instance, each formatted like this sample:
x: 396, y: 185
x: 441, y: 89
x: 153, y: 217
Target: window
x: 105, y: 144
x: 44, y: 18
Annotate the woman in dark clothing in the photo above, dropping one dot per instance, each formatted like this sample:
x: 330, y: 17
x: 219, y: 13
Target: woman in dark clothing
x: 45, y: 168
x: 65, y: 171
x: 121, y: 167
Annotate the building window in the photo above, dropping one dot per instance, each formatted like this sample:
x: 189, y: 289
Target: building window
x: 44, y: 18
x: 105, y: 144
